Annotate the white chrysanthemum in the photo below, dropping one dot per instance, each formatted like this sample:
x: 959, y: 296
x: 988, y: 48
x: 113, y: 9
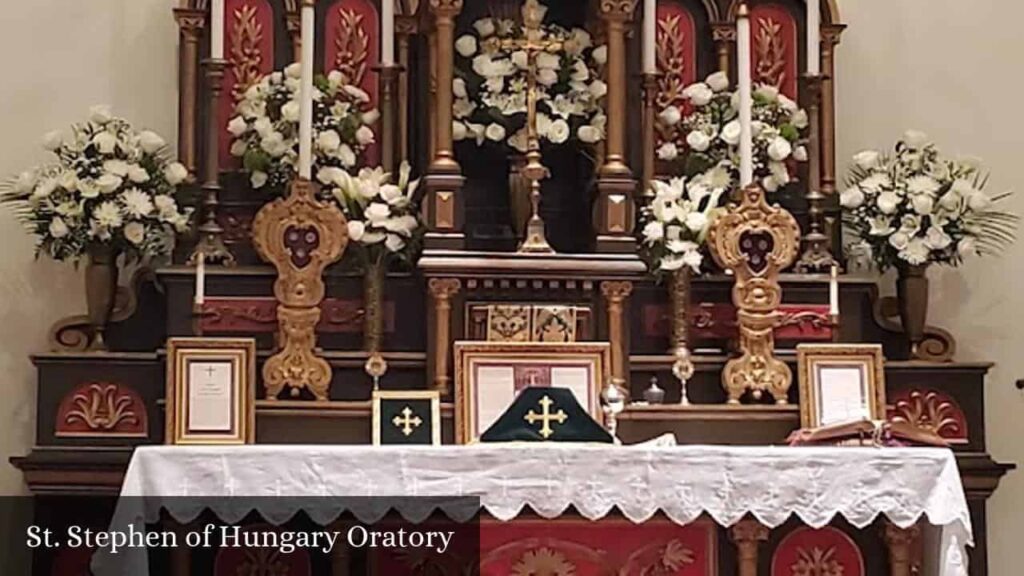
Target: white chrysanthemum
x: 137, y: 203
x: 107, y: 215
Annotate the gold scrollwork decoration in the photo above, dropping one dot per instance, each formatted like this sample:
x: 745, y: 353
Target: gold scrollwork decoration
x: 817, y: 562
x: 926, y: 410
x: 246, y: 55
x: 671, y: 49
x: 771, y: 53
x: 353, y: 46
x: 102, y: 408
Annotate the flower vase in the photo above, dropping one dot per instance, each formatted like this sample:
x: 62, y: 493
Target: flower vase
x: 519, y: 204
x: 373, y: 318
x: 912, y: 293
x: 100, y: 291
x: 679, y: 296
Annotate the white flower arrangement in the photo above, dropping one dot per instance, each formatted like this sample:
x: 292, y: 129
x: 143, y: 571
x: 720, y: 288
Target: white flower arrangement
x: 110, y: 185
x: 705, y: 133
x: 491, y: 79
x: 266, y: 128
x: 915, y: 207
x: 675, y: 224
x: 383, y: 218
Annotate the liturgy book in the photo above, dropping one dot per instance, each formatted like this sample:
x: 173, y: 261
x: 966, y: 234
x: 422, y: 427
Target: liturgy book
x: 867, y: 433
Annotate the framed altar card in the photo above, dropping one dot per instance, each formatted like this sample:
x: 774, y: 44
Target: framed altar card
x: 406, y: 417
x: 211, y: 396
x: 489, y: 375
x: 840, y: 383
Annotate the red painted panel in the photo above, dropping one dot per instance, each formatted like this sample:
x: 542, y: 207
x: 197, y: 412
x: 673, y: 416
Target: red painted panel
x: 677, y: 52
x: 102, y: 409
x: 817, y: 551
x: 249, y: 50
x: 352, y: 45
x: 774, y: 47
x: 932, y: 410
x: 259, y: 315
x: 717, y: 321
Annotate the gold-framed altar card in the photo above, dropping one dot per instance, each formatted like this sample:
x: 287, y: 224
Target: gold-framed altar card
x: 211, y: 391
x: 490, y: 375
x: 840, y: 383
x: 406, y: 417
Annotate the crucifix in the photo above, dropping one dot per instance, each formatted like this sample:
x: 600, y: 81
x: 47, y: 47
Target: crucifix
x: 546, y: 417
x: 408, y: 421
x: 533, y: 14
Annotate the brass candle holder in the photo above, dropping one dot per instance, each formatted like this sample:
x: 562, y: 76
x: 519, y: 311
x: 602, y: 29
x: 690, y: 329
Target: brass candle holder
x: 210, y: 242
x: 816, y: 256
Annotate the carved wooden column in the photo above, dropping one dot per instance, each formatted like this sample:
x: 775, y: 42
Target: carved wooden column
x: 443, y: 181
x: 830, y: 35
x: 190, y: 23
x: 724, y: 35
x: 405, y: 28
x: 432, y: 91
x: 616, y: 188
x: 747, y: 535
x: 615, y: 295
x: 900, y: 543
x: 441, y: 292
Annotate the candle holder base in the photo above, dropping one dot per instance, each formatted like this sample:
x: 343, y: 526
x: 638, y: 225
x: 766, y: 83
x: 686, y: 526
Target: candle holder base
x: 816, y: 257
x: 213, y: 249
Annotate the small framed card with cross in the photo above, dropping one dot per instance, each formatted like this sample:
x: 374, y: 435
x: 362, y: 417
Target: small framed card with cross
x: 406, y: 417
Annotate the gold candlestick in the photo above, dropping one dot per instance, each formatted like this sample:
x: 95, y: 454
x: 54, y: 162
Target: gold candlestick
x: 211, y: 241
x: 816, y: 256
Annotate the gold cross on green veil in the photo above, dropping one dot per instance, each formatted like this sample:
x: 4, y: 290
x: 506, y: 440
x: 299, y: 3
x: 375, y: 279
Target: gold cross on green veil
x: 407, y: 421
x: 546, y: 417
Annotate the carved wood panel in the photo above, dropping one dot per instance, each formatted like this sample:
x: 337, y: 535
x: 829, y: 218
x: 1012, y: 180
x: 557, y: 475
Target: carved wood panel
x: 774, y: 47
x: 717, y: 321
x: 259, y: 315
x: 352, y: 45
x: 931, y: 410
x: 825, y: 551
x: 102, y: 410
x: 677, y: 52
x: 249, y: 51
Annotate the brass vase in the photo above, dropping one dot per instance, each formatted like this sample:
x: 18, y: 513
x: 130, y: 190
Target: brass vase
x: 912, y: 293
x: 100, y: 291
x: 679, y: 296
x: 373, y: 318
x: 518, y: 195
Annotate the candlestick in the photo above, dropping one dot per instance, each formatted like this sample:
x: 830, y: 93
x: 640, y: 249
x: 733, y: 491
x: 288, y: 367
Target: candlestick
x: 650, y: 36
x: 217, y: 29
x: 745, y: 81
x: 387, y: 33
x: 306, y: 93
x: 200, y: 298
x: 813, y: 37
x: 833, y: 291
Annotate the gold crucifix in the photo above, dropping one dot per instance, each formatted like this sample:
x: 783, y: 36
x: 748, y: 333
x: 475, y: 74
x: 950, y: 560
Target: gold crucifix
x: 408, y: 421
x: 533, y: 14
x: 546, y: 417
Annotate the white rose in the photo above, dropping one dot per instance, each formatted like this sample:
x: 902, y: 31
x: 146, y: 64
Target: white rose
x: 391, y: 194
x: 237, y: 126
x: 731, y: 133
x: 137, y: 174
x: 109, y: 183
x: 600, y: 54
x: 779, y: 149
x: 495, y: 132
x: 888, y: 202
x: 151, y: 142
x: 394, y: 243
x: 116, y: 167
x: 466, y: 45
x: 558, y: 132
x: 696, y: 222
x: 915, y: 139
x: 105, y: 142
x: 347, y: 156
x: 263, y: 127
x: 668, y: 151
x: 769, y: 184
x: 799, y: 119
x: 698, y: 141
x: 88, y: 189
x: 293, y: 70
x: 718, y: 81
x: 370, y: 116
x: 548, y: 60
x: 357, y: 93
x: 547, y: 76
x: 699, y: 94
x: 899, y: 240
x: 58, y: 229
x: 937, y: 239
x: 851, y: 198
x: 521, y: 59
x: 364, y: 135
x: 377, y: 213
x: 100, y: 114
x: 923, y: 204
x: 135, y: 232
x: 52, y: 141
x: 165, y: 204
x: 175, y: 173
x: 328, y: 141
x: 670, y: 116
x: 258, y: 179
x: 459, y: 88
x: 654, y: 231
x: 290, y: 111
x: 979, y: 201
x: 598, y: 88
x: 588, y: 134
x: 484, y: 27
x: 356, y: 229
x: 327, y: 174
x: 458, y: 131
x: 335, y: 78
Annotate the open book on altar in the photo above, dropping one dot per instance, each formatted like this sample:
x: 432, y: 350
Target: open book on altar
x: 867, y: 433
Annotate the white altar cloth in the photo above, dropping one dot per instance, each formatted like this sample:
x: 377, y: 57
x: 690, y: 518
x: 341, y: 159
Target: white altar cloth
x: 683, y: 482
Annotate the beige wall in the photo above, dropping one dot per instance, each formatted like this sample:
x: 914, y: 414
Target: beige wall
x: 949, y: 67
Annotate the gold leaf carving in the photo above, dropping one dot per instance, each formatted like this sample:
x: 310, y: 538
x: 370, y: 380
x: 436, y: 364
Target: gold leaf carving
x: 246, y: 58
x: 671, y: 60
x: 817, y: 562
x: 102, y: 408
x: 928, y: 412
x: 352, y: 43
x: 771, y: 53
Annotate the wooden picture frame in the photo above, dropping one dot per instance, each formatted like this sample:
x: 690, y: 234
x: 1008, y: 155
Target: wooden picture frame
x: 840, y: 383
x: 228, y: 415
x: 420, y: 426
x: 508, y: 367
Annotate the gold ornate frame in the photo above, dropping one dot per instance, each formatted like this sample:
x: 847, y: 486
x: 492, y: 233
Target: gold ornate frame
x: 518, y: 353
x: 435, y: 410
x: 241, y: 353
x: 868, y: 356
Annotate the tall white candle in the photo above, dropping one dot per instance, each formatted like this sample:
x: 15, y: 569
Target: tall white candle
x: 745, y: 81
x: 387, y: 33
x: 306, y: 92
x: 813, y: 37
x: 833, y: 291
x: 650, y: 36
x: 217, y: 29
x: 200, y: 279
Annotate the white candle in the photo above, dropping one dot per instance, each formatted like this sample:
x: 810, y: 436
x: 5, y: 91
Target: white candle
x: 217, y: 29
x: 387, y: 33
x: 306, y: 92
x: 813, y: 38
x: 650, y: 36
x: 833, y: 291
x: 200, y: 278
x: 744, y: 79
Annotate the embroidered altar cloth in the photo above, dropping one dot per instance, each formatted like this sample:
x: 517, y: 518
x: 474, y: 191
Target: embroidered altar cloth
x: 683, y: 482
